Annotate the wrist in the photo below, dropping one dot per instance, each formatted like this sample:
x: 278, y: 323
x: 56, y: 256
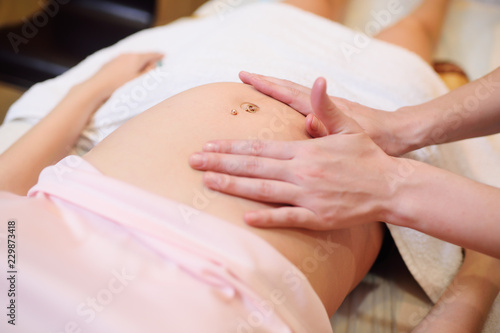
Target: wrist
x: 412, y: 128
x: 92, y: 91
x: 390, y: 211
x: 399, y: 206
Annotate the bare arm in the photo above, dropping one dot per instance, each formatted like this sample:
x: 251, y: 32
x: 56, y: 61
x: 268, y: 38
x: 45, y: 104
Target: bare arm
x: 52, y: 138
x: 48, y: 141
x: 464, y: 306
x: 472, y: 110
x: 444, y: 205
x: 346, y: 179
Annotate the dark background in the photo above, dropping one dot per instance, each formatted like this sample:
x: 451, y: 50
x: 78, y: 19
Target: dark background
x: 14, y: 11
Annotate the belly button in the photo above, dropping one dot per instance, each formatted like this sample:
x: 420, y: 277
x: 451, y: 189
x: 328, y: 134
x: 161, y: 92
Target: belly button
x: 250, y: 107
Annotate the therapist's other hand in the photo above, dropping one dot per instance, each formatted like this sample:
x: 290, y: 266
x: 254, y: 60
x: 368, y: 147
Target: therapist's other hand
x: 122, y: 69
x: 331, y: 182
x: 382, y: 126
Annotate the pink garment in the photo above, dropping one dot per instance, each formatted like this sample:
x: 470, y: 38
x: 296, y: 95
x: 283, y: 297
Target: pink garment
x: 94, y: 254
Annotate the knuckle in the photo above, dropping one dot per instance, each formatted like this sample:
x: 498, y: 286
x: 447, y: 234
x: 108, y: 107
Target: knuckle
x: 227, y: 183
x: 294, y: 91
x: 224, y: 147
x: 257, y: 147
x: 310, y: 172
x: 291, y: 217
x: 211, y: 162
x: 232, y: 166
x: 252, y: 164
x: 316, y: 172
x: 312, y: 151
x: 329, y: 216
x: 265, y: 189
x: 223, y: 182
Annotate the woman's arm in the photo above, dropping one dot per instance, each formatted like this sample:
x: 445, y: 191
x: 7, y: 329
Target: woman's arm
x: 54, y: 136
x: 464, y: 306
x: 470, y: 111
x: 346, y: 179
x: 444, y: 205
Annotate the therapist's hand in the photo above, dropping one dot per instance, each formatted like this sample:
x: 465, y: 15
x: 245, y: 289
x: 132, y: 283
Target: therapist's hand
x: 385, y: 128
x: 331, y: 182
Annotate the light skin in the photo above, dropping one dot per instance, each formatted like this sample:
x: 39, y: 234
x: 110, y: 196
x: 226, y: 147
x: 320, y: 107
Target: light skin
x: 461, y: 308
x: 354, y: 181
x: 151, y: 152
x: 52, y: 139
x: 282, y: 169
x: 355, y: 248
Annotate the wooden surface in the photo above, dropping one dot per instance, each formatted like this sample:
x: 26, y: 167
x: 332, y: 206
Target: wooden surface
x: 169, y: 10
x: 14, y: 11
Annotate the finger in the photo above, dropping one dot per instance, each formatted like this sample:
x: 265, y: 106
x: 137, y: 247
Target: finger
x: 315, y: 127
x: 330, y: 115
x: 280, y: 82
x: 149, y: 61
x: 292, y: 94
x: 291, y: 217
x: 239, y: 165
x: 263, y: 190
x: 282, y: 150
x: 245, y: 77
x: 152, y: 56
x: 149, y: 67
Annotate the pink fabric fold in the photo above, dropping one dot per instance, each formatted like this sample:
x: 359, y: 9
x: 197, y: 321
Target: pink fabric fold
x: 98, y: 255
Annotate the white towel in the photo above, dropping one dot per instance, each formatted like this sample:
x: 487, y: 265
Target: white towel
x: 277, y: 40
x: 274, y: 39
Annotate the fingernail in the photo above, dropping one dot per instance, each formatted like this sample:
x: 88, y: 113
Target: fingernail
x: 314, y: 124
x: 197, y: 160
x: 212, y: 180
x: 251, y: 217
x: 211, y: 147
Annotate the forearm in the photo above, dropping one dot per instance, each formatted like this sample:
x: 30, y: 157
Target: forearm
x: 445, y: 205
x: 470, y: 111
x: 465, y: 304
x: 52, y: 138
x: 48, y: 141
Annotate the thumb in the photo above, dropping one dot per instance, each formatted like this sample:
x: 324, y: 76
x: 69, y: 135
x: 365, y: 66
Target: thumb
x: 315, y: 127
x: 328, y: 113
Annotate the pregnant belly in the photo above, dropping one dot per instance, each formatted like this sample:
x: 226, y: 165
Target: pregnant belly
x: 151, y: 151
